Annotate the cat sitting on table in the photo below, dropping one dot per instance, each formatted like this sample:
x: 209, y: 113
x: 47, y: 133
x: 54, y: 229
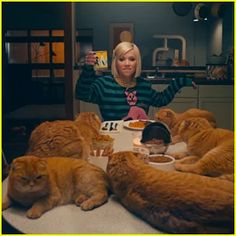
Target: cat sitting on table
x: 65, y: 138
x: 210, y: 151
x: 172, y: 201
x: 41, y: 184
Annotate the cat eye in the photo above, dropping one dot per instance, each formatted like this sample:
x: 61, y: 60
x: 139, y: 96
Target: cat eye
x: 24, y: 178
x: 39, y: 177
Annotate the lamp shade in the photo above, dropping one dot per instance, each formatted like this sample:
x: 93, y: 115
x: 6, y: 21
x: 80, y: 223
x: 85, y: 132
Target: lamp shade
x: 201, y: 11
x: 182, y: 8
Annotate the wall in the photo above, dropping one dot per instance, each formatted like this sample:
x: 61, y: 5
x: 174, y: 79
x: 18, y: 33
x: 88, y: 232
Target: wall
x: 148, y: 19
x: 22, y: 15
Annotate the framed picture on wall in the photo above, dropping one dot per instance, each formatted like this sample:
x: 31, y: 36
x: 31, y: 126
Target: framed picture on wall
x: 119, y: 32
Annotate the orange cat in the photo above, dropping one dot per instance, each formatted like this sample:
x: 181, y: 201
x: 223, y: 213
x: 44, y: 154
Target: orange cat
x: 65, y: 138
x: 44, y: 183
x: 173, y: 119
x: 210, y: 150
x: 172, y: 201
x: 88, y: 124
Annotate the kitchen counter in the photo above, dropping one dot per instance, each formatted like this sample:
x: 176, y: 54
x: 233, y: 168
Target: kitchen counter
x: 159, y: 80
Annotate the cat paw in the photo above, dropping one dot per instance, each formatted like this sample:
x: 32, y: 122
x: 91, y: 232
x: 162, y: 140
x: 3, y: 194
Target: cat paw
x: 5, y: 205
x: 80, y: 199
x: 178, y: 156
x: 87, y: 205
x: 186, y: 168
x: 94, y: 202
x: 33, y: 213
x: 179, y: 166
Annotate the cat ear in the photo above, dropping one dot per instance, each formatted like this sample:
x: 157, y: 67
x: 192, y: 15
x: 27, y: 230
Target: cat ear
x: 16, y: 164
x: 168, y: 113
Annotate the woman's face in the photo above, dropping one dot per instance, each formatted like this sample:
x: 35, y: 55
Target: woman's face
x: 126, y: 65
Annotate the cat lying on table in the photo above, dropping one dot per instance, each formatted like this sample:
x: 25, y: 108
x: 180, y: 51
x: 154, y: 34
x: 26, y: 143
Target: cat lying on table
x: 172, y: 201
x: 44, y: 183
x: 174, y: 119
x: 65, y: 138
x: 210, y: 151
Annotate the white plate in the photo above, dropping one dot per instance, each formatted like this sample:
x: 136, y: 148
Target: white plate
x: 126, y: 124
x: 112, y: 126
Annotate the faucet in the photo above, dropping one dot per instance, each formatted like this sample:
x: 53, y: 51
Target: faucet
x: 165, y: 48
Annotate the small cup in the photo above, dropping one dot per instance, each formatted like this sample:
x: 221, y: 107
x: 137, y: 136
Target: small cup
x: 101, y: 62
x: 100, y: 161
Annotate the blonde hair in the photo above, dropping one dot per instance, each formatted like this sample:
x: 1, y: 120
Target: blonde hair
x: 120, y: 50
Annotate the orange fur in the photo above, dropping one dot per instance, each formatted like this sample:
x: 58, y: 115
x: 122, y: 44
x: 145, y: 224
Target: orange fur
x: 172, y: 201
x: 210, y: 150
x: 65, y: 138
x: 44, y: 183
x: 173, y: 119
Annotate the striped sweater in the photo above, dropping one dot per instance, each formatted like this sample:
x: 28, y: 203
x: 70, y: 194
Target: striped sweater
x: 115, y: 101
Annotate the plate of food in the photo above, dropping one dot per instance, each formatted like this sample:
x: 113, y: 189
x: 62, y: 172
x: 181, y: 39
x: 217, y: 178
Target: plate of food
x: 136, y: 124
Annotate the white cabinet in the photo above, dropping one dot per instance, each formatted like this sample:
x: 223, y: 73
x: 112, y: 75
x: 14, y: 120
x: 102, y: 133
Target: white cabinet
x: 85, y: 106
x: 185, y: 99
x: 218, y: 99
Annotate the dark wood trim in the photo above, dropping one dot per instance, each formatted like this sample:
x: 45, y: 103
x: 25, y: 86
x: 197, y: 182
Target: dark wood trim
x: 69, y: 59
x: 29, y: 39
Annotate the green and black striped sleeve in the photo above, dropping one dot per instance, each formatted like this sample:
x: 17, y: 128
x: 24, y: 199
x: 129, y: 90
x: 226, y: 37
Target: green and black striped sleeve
x: 84, y: 89
x: 164, y: 97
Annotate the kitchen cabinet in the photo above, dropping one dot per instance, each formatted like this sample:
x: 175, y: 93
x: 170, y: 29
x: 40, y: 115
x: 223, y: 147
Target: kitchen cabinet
x: 85, y: 107
x: 218, y: 99
x: 185, y: 99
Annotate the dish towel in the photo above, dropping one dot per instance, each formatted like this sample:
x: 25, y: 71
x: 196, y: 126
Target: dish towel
x: 136, y: 113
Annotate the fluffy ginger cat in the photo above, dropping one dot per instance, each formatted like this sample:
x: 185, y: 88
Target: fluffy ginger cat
x: 44, y: 183
x: 172, y: 201
x: 65, y: 138
x: 173, y: 119
x: 210, y: 150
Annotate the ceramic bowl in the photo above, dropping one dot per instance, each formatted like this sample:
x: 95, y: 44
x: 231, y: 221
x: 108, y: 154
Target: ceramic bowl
x: 162, y: 162
x: 151, y: 148
x: 156, y: 137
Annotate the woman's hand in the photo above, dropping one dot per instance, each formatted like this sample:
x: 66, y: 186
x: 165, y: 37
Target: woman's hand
x: 91, y: 58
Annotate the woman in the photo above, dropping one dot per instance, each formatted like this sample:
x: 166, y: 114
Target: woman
x: 125, y: 89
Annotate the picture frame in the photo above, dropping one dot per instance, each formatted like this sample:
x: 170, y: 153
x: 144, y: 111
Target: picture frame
x: 119, y: 32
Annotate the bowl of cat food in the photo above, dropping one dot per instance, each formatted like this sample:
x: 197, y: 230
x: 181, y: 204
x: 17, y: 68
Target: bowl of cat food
x: 102, y: 141
x: 102, y: 146
x: 100, y: 161
x: 162, y: 162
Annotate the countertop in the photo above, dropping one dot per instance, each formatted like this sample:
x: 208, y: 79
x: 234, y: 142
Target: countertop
x: 159, y: 80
